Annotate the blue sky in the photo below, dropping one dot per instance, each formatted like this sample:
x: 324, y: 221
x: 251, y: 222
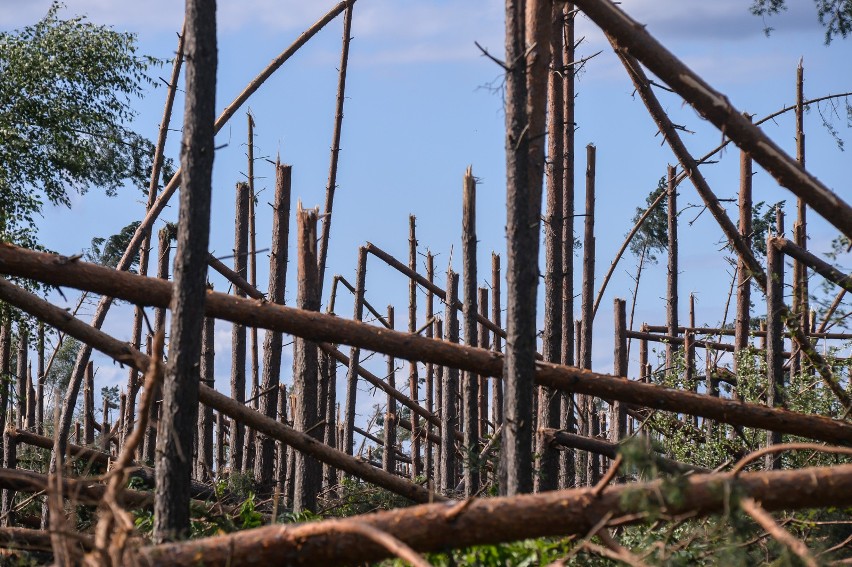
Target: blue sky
x: 419, y: 110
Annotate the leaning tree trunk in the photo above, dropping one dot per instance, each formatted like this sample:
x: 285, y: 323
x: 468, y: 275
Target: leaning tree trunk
x: 180, y: 389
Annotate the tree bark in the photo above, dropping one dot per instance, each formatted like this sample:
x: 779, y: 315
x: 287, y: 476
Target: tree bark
x: 470, y: 385
x: 273, y: 340
x: 774, y: 340
x: 238, y: 331
x: 549, y: 402
x: 742, y: 323
x: 354, y: 356
x: 204, y: 461
x: 413, y: 386
x: 671, y: 270
x: 449, y: 386
x: 308, y: 473
x: 180, y: 389
x: 389, y: 441
x: 590, y: 425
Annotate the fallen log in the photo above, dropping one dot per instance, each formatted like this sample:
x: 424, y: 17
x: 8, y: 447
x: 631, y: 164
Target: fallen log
x: 819, y: 265
x: 610, y: 450
x: 319, y: 327
x: 715, y: 107
x: 89, y: 492
x: 29, y: 539
x: 437, y: 527
x: 122, y: 352
x: 142, y: 472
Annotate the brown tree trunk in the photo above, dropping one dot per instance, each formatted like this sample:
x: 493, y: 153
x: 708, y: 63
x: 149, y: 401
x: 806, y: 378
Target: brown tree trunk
x: 566, y: 411
x: 164, y: 240
x: 308, y: 472
x: 413, y: 387
x: 354, y: 356
x: 449, y: 408
x: 549, y: 402
x: 39, y: 409
x: 21, y: 376
x: 250, y: 437
x: 742, y: 323
x: 389, y: 441
x: 470, y: 385
x: 618, y: 417
x: 5, y: 363
x: 588, y: 405
x: 671, y: 269
x: 180, y: 389
x: 204, y: 461
x: 431, y: 385
x: 497, y: 347
x: 89, y: 405
x: 10, y: 461
x: 774, y: 341
x: 238, y: 332
x: 273, y: 340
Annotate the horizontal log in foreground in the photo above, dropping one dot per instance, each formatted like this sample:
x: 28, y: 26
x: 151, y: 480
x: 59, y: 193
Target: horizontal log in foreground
x: 122, y: 352
x: 318, y: 327
x: 39, y: 540
x: 81, y: 491
x: 436, y: 527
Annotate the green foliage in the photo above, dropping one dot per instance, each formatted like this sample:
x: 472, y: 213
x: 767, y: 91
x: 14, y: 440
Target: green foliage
x: 64, y: 105
x: 762, y: 221
x: 108, y: 251
x: 248, y: 516
x: 63, y: 364
x: 834, y: 15
x: 653, y: 235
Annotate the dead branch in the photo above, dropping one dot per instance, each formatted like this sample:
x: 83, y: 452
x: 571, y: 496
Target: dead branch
x: 768, y: 523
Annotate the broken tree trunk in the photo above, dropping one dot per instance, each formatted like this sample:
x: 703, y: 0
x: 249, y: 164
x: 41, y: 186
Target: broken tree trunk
x: 449, y: 386
x: 671, y: 270
x: 178, y: 414
x: 273, y: 340
x: 238, y: 331
x: 308, y: 479
x: 774, y: 340
x: 391, y: 416
x: 354, y: 356
x: 413, y: 387
x: 742, y: 323
x: 204, y: 460
x: 590, y: 425
x: 470, y: 385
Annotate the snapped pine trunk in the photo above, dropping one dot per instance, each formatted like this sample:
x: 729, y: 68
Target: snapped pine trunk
x: 470, y: 385
x: 308, y: 471
x: 273, y: 340
x: 238, y: 331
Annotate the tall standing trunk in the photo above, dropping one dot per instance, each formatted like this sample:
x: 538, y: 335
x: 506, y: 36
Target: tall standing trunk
x: 774, y: 340
x: 449, y: 407
x: 238, y: 332
x: 588, y: 404
x: 273, y: 340
x: 308, y: 471
x: 801, y: 307
x: 5, y: 364
x: 672, y: 276
x: 566, y: 413
x: 527, y: 44
x: 248, y: 453
x: 413, y: 387
x: 39, y: 410
x: 549, y: 400
x: 618, y: 416
x: 180, y: 389
x: 470, y: 386
x: 204, y: 459
x: 496, y: 318
x: 354, y: 356
x: 21, y: 375
x: 164, y: 240
x: 742, y: 322
x: 389, y: 449
x: 430, y: 372
x: 89, y: 405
